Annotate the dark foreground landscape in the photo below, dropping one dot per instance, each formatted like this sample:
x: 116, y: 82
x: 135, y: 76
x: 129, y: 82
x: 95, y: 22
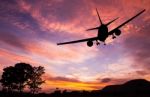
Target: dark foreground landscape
x: 133, y: 88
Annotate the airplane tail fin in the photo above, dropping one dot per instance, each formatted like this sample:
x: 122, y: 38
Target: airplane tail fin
x: 99, y: 17
x: 99, y: 21
x: 111, y: 21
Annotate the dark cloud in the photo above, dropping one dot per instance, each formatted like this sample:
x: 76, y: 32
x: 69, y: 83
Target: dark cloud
x: 66, y: 79
x: 111, y: 81
x: 10, y: 36
x: 56, y: 10
x: 106, y: 80
x: 142, y: 72
x: 62, y: 11
x: 12, y: 14
x: 11, y: 39
x: 17, y: 28
x: 107, y: 2
x: 27, y: 24
x: 8, y: 7
x: 59, y: 78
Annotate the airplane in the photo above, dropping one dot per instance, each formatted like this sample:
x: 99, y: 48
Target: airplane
x: 103, y: 33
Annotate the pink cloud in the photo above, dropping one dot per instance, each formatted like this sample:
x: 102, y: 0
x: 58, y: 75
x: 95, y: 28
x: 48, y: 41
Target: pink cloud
x: 54, y: 53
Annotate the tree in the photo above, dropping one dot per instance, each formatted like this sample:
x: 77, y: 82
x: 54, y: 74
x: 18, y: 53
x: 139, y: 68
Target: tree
x: 8, y: 78
x: 21, y: 75
x: 23, y: 72
x: 16, y: 77
x: 35, y: 81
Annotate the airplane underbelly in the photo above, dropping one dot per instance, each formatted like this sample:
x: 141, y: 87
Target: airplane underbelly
x: 103, y: 37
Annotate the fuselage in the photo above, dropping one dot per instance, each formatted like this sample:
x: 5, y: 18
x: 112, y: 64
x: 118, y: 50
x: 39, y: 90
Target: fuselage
x: 103, y: 33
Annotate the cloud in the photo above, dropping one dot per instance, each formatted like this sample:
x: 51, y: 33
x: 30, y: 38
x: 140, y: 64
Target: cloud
x: 71, y: 84
x: 113, y: 81
x: 11, y: 39
x: 105, y: 80
x: 59, y: 55
x: 60, y: 78
x: 138, y: 47
x: 142, y: 72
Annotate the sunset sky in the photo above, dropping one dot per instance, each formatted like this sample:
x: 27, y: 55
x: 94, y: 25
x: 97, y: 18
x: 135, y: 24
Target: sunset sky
x: 30, y: 30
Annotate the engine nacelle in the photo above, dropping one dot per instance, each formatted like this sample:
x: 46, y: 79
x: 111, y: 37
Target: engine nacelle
x: 117, y: 32
x: 90, y: 43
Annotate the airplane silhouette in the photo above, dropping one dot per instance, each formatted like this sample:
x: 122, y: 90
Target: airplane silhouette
x: 103, y: 33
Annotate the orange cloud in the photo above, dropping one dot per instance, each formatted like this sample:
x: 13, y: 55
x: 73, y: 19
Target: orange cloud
x: 11, y: 57
x: 75, y: 85
x: 71, y: 84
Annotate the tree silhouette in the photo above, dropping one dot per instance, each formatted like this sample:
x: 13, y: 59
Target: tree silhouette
x: 35, y: 81
x: 23, y: 72
x: 8, y: 78
x: 16, y: 77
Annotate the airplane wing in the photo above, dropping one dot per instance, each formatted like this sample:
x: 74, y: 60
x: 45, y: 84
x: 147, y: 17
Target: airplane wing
x: 112, y: 31
x: 77, y: 41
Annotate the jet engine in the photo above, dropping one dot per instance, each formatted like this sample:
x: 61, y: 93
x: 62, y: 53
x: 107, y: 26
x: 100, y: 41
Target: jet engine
x: 117, y: 32
x: 90, y: 43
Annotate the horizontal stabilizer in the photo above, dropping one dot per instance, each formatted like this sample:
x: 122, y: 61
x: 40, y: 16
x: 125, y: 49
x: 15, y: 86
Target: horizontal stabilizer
x: 111, y: 21
x: 92, y: 29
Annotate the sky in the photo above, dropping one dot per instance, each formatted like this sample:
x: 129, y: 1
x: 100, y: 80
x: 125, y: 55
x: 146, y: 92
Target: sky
x: 31, y: 29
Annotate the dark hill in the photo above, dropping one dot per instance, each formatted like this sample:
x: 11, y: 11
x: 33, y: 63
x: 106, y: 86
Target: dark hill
x: 133, y: 87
